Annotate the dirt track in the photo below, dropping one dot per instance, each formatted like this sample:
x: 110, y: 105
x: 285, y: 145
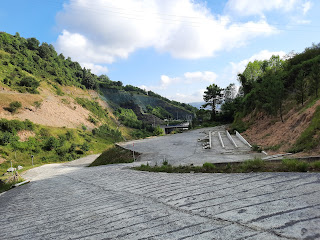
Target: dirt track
x: 70, y: 201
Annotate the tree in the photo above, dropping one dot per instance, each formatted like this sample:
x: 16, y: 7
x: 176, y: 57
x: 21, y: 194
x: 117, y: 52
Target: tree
x: 230, y: 92
x: 212, y: 96
x: 32, y: 43
x: 315, y: 77
x: 301, y: 87
x: 45, y: 51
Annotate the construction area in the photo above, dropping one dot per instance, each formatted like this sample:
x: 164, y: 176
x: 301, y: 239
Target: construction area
x: 72, y: 201
x: 214, y: 145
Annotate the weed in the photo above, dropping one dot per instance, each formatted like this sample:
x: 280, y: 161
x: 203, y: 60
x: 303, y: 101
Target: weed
x: 294, y: 165
x: 252, y: 165
x: 37, y: 104
x: 164, y: 162
x: 256, y: 148
x: 209, y: 166
x: 316, y: 165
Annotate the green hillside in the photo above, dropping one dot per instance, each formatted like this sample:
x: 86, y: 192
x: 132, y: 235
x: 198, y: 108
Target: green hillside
x: 25, y: 63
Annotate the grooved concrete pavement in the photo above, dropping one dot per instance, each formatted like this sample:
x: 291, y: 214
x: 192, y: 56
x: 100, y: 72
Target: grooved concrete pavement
x: 70, y: 201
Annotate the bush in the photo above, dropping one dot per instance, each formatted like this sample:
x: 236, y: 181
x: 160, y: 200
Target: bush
x: 5, y: 138
x: 158, y: 131
x: 44, y: 132
x: 14, y: 106
x: 51, y: 143
x: 15, y: 125
x: 85, y: 147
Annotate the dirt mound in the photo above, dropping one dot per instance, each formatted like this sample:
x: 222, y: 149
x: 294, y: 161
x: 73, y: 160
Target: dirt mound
x: 277, y: 136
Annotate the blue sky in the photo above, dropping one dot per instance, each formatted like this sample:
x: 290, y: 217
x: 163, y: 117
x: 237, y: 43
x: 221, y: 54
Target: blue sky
x: 173, y: 47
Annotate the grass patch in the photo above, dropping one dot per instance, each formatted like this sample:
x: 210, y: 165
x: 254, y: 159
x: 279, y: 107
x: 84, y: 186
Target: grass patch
x: 93, y: 107
x: 255, y: 165
x: 114, y: 154
x: 50, y: 144
x: 5, y: 186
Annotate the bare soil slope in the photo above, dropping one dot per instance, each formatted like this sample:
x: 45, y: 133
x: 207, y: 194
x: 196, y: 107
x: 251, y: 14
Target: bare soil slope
x: 54, y: 110
x: 271, y: 133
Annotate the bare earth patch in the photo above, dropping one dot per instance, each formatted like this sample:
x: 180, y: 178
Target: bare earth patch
x: 25, y: 134
x: 52, y: 112
x: 2, y: 160
x: 270, y: 131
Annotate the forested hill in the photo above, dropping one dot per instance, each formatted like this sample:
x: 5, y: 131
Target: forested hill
x: 25, y: 63
x: 278, y: 106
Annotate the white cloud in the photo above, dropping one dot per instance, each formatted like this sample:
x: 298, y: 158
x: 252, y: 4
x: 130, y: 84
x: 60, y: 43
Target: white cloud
x: 96, y: 69
x: 206, y: 76
x: 306, y: 7
x: 241, y: 66
x: 102, y: 31
x: 186, y: 88
x: 254, y: 7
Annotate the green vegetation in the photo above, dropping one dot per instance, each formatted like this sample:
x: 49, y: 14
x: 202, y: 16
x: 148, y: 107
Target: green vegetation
x: 50, y: 144
x: 158, y: 131
x: 265, y: 87
x: 114, y: 154
x: 128, y: 118
x: 255, y: 165
x: 14, y: 106
x: 93, y: 107
x: 5, y: 186
x: 310, y: 138
x: 159, y: 112
x: 25, y: 63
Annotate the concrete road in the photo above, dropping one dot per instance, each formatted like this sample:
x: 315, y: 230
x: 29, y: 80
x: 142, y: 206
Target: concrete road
x: 185, y: 149
x: 70, y: 201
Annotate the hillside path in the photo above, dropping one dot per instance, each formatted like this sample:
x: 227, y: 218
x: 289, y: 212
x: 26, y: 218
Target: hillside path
x: 71, y: 201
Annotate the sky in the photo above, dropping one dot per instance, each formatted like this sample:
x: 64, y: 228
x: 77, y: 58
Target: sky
x: 175, y: 48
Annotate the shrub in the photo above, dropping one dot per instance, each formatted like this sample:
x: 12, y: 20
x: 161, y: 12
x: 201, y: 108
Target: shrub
x: 44, y: 132
x: 5, y: 138
x: 158, y: 131
x: 14, y: 106
x: 85, y: 147
x: 51, y: 143
x: 15, y: 125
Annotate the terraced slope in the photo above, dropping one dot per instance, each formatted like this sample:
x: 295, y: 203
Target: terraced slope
x: 69, y: 201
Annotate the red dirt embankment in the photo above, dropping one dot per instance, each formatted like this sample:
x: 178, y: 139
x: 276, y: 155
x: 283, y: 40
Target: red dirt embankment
x: 270, y: 131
